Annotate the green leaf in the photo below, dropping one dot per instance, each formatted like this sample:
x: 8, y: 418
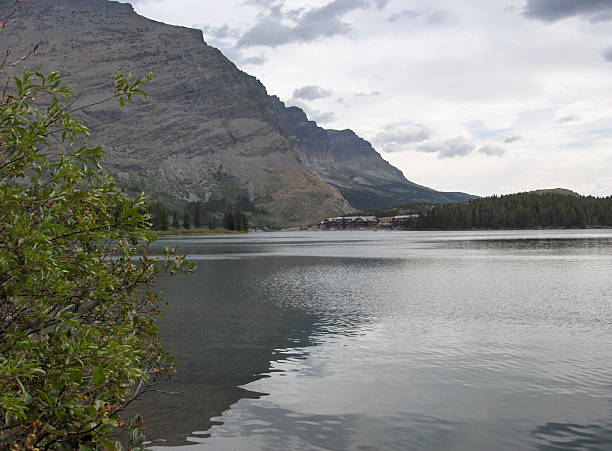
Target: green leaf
x: 27, y: 398
x: 99, y: 376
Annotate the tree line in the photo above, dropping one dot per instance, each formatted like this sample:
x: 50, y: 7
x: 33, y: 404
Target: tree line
x: 162, y: 219
x: 522, y: 210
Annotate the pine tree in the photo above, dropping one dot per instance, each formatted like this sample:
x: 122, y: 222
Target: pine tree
x: 164, y: 224
x: 228, y: 221
x: 245, y: 223
x: 198, y: 214
x: 239, y: 221
x: 212, y: 222
x: 159, y: 216
x: 186, y: 221
x: 175, y: 221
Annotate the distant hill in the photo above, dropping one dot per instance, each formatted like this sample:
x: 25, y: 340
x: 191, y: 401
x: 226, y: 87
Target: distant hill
x: 565, y: 192
x: 534, y: 209
x: 209, y: 131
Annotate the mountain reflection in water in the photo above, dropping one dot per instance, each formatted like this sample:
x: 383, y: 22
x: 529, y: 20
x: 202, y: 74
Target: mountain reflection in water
x: 222, y: 337
x: 366, y: 340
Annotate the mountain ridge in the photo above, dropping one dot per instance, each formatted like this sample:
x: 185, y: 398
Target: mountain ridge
x: 348, y: 162
x: 209, y: 130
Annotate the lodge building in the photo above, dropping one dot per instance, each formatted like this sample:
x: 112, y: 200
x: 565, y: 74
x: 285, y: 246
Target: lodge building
x: 349, y: 222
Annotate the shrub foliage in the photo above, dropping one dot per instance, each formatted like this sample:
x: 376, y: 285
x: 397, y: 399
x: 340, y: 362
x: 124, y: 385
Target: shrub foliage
x: 78, y: 340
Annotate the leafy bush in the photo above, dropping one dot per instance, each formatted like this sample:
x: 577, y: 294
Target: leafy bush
x: 78, y: 340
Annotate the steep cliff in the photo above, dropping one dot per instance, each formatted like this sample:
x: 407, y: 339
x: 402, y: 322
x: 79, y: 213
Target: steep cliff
x: 351, y: 164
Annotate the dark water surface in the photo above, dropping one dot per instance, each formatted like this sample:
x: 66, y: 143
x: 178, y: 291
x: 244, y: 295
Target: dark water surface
x: 389, y: 340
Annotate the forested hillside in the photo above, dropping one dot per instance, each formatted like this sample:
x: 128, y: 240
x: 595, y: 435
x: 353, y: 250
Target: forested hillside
x: 523, y: 210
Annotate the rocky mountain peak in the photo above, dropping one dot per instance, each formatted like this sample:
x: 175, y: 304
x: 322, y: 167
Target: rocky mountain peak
x: 208, y: 131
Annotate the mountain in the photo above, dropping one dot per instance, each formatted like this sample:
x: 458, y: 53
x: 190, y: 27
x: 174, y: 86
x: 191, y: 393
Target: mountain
x: 350, y: 163
x: 208, y: 131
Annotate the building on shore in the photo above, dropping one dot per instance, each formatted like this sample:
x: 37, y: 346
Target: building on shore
x: 349, y: 222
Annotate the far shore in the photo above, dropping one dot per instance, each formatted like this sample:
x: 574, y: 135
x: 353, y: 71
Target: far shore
x: 187, y: 232
x: 481, y: 229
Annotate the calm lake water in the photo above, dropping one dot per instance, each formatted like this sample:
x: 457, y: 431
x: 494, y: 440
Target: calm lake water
x: 389, y: 341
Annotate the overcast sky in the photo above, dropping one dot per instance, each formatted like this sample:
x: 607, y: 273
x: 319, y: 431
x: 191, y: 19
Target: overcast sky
x: 480, y: 96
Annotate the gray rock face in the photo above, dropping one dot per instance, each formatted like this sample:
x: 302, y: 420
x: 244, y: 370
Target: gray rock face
x: 350, y: 163
x: 208, y: 130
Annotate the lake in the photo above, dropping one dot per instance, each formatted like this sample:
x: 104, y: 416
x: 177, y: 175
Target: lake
x: 370, y: 340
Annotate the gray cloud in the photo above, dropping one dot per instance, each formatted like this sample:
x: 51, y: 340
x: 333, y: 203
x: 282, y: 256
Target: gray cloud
x: 272, y: 29
x: 511, y: 139
x: 221, y: 37
x: 380, y: 4
x: 607, y: 55
x: 405, y: 14
x: 396, y: 138
x: 569, y: 118
x: 432, y: 18
x: 254, y: 60
x: 492, y: 151
x: 437, y: 18
x: 454, y: 147
x: 601, y: 17
x: 239, y: 59
x: 263, y: 3
x: 311, y: 92
x: 554, y: 10
x: 224, y: 32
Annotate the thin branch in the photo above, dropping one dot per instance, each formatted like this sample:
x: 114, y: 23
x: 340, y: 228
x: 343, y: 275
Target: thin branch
x: 94, y: 104
x: 5, y: 22
x: 93, y: 229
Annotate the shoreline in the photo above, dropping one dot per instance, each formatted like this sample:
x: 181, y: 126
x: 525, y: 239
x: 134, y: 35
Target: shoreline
x: 190, y: 232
